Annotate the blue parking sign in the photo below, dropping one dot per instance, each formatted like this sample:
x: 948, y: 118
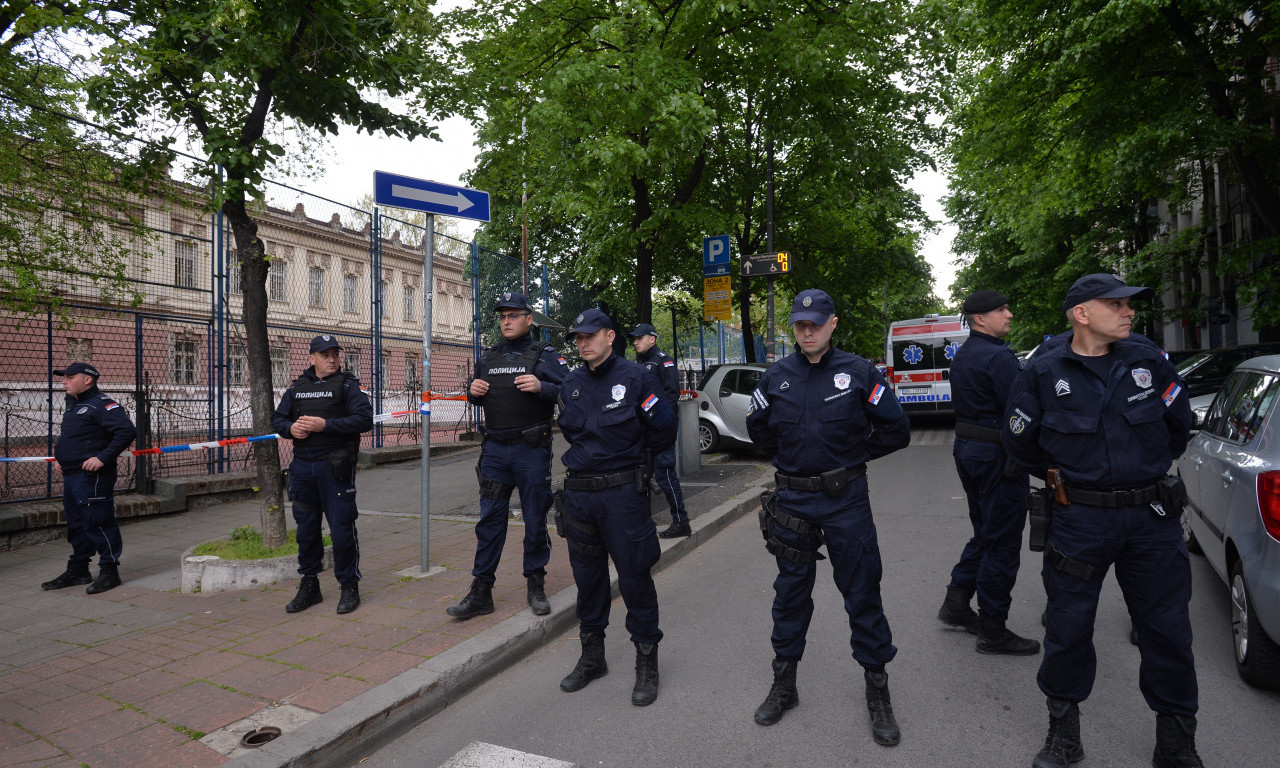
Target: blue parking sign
x: 715, y: 255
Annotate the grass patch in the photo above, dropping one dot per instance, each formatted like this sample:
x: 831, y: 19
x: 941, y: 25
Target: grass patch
x: 190, y: 733
x: 246, y: 544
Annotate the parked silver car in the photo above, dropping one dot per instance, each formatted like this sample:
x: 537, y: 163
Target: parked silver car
x: 1232, y: 472
x: 723, y: 397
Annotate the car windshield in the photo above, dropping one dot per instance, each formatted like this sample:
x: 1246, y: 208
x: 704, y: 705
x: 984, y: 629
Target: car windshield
x: 1193, y: 362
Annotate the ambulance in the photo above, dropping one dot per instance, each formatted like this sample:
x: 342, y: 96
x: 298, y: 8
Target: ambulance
x: 918, y: 354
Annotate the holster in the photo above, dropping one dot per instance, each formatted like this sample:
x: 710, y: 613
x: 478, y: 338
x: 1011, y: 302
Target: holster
x: 557, y: 514
x: 564, y: 521
x: 643, y: 474
x: 341, y: 465
x: 1172, y: 494
x: 285, y: 484
x: 492, y: 489
x: 770, y: 514
x: 537, y: 436
x: 1039, y: 515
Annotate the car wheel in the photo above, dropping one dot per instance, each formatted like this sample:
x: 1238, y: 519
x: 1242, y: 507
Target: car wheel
x: 1257, y: 655
x: 708, y: 437
x: 1188, y: 535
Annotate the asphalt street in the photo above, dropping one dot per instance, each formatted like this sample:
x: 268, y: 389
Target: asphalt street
x: 956, y: 707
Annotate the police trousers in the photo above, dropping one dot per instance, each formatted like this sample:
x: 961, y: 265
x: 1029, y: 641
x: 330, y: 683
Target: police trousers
x: 998, y: 512
x: 630, y: 538
x: 1153, y: 570
x: 318, y: 495
x: 529, y: 470
x: 664, y: 472
x: 854, y: 552
x: 88, y: 503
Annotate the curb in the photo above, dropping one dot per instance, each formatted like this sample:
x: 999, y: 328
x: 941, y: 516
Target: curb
x: 355, y: 729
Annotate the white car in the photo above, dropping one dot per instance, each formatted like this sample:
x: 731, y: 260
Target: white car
x: 724, y: 398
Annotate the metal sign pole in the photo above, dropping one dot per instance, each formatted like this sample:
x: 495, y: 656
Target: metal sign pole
x: 428, y: 287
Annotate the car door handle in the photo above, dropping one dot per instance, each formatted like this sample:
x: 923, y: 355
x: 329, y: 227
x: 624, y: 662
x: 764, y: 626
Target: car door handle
x: 1227, y: 478
x: 1197, y: 461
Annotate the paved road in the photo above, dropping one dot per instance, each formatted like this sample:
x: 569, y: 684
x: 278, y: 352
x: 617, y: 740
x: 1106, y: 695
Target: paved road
x: 956, y: 707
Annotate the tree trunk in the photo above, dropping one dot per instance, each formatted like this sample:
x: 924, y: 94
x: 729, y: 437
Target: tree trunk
x: 642, y: 212
x: 266, y: 453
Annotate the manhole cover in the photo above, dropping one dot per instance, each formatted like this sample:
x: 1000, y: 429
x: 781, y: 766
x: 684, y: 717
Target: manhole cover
x: 259, y: 736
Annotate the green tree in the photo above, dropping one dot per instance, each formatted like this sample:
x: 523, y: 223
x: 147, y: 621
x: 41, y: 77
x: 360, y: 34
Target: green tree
x: 232, y: 73
x: 634, y: 129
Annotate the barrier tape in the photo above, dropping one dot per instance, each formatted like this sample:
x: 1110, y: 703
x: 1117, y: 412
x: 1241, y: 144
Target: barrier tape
x: 26, y: 458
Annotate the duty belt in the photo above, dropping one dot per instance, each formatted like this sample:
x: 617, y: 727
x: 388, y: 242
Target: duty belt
x: 1132, y: 497
x: 970, y: 431
x: 827, y: 481
x: 579, y: 482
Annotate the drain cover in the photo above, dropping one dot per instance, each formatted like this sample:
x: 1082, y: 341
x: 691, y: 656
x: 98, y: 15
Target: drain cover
x: 259, y: 736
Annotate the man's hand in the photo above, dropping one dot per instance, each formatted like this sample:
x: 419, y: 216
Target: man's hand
x: 479, y: 387
x: 91, y: 464
x: 529, y: 383
x: 311, y: 423
x: 298, y: 431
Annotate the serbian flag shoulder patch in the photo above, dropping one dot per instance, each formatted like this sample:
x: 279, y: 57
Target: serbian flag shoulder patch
x: 669, y: 364
x: 1171, y: 394
x: 111, y: 406
x: 649, y: 402
x: 876, y: 393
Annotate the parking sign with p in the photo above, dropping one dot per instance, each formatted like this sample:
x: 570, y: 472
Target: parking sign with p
x: 715, y: 256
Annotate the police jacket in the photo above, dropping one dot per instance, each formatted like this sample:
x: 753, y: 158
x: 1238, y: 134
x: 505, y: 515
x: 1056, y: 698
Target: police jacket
x: 93, y: 425
x: 661, y: 365
x: 982, y: 374
x: 338, y: 400
x: 611, y: 415
x: 816, y: 417
x: 1118, y: 430
x: 507, y: 410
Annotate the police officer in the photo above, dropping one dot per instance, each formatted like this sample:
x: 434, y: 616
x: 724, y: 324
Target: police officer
x: 324, y: 412
x: 95, y: 430
x: 982, y: 374
x: 615, y: 416
x: 517, y: 382
x: 1102, y: 418
x: 645, y: 341
x: 822, y: 414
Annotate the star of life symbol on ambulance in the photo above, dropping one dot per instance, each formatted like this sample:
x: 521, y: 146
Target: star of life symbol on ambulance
x: 619, y: 392
x: 1141, y: 377
x: 842, y: 380
x: 913, y: 354
x: 951, y: 350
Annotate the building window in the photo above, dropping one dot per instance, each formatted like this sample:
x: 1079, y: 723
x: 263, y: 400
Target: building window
x: 315, y: 287
x: 80, y: 350
x: 409, y: 302
x: 279, y: 367
x: 233, y: 276
x: 237, y: 365
x: 349, y: 286
x: 410, y: 374
x: 184, y: 264
x: 186, y: 357
x: 275, y: 281
x: 351, y: 361
x: 386, y: 300
x: 384, y: 372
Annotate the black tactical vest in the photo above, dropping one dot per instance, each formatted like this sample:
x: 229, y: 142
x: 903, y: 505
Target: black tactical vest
x: 506, y: 407
x: 326, y: 400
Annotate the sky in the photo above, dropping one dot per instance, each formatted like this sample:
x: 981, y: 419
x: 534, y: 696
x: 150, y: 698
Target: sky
x: 355, y: 156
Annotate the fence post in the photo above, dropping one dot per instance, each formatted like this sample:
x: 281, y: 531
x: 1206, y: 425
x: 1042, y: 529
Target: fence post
x: 145, y: 484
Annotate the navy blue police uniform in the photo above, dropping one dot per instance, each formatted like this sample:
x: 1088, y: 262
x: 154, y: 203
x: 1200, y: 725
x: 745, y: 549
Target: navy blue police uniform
x: 322, y: 475
x: 517, y: 449
x: 93, y: 426
x: 1113, y: 425
x: 982, y: 375
x: 661, y: 365
x: 822, y: 422
x: 612, y: 416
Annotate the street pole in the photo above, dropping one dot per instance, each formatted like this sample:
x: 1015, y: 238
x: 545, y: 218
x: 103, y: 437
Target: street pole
x: 428, y: 285
x: 770, y: 334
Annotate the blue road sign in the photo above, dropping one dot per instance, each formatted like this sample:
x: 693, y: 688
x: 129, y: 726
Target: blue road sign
x: 715, y: 256
x: 429, y: 196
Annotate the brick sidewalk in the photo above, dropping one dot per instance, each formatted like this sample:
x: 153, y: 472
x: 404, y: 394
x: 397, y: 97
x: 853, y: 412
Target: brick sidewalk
x: 146, y: 676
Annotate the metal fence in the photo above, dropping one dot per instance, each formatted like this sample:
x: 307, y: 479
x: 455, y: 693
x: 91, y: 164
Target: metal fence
x: 178, y: 362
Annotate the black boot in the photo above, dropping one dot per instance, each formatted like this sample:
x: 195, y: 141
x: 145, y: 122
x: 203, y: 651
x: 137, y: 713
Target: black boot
x: 478, y: 602
x: 75, y: 575
x: 1062, y: 746
x: 646, y: 690
x: 308, y: 595
x: 995, y: 638
x: 538, y: 596
x: 677, y: 529
x: 955, y: 610
x: 350, y: 599
x: 884, y: 728
x: 782, y: 696
x: 108, y: 578
x: 1175, y: 743
x: 591, y: 664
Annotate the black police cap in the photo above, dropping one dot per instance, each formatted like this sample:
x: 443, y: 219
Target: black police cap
x: 983, y: 301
